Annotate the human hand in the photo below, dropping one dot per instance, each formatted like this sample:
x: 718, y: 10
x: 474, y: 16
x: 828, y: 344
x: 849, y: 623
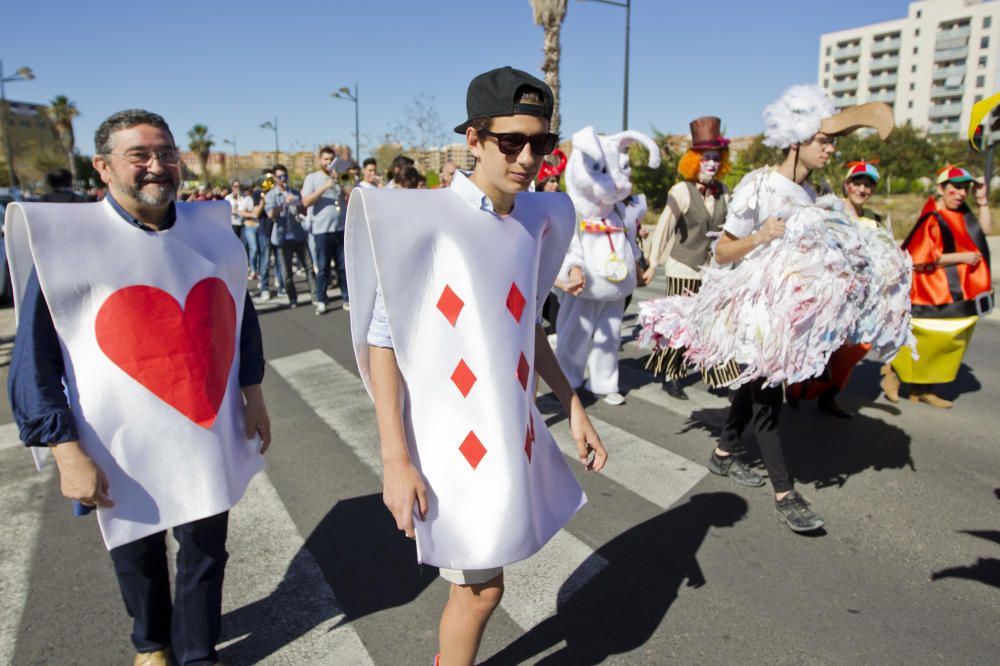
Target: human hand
x: 646, y: 276
x: 588, y: 442
x: 256, y: 418
x: 402, y: 487
x: 979, y: 189
x: 576, y: 281
x: 80, y: 478
x: 774, y: 227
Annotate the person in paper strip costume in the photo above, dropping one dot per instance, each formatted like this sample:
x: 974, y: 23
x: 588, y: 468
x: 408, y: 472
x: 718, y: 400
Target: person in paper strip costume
x: 447, y: 287
x: 803, y: 123
x: 138, y: 363
x: 951, y: 286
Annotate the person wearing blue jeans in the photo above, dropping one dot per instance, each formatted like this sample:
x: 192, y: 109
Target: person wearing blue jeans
x: 323, y: 198
x: 282, y: 205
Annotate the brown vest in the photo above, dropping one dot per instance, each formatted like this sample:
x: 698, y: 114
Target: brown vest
x: 692, y: 244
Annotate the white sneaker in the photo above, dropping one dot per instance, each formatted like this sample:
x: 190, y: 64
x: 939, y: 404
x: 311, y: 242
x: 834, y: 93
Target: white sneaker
x: 265, y: 296
x: 320, y: 308
x: 347, y: 307
x: 614, y: 399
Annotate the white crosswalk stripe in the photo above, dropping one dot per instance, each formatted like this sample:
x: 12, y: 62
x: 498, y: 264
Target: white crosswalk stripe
x: 9, y: 436
x: 21, y: 524
x: 533, y: 586
x: 277, y: 575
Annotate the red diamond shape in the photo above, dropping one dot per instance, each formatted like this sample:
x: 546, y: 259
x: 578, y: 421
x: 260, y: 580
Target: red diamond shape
x: 463, y: 378
x: 450, y: 305
x: 522, y: 371
x: 529, y: 437
x: 515, y: 302
x: 472, y: 449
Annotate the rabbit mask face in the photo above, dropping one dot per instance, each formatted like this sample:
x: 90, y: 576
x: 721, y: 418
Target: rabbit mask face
x: 598, y: 172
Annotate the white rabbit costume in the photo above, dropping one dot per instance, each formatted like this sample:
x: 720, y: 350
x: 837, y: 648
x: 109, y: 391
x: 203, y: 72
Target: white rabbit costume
x: 605, y: 248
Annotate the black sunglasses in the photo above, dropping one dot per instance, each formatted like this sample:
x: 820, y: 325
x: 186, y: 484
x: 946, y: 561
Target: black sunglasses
x: 512, y: 143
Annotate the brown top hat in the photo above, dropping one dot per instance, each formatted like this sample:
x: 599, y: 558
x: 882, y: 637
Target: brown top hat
x: 705, y: 134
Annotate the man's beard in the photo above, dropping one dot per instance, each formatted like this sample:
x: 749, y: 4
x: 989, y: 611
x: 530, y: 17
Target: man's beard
x: 165, y: 193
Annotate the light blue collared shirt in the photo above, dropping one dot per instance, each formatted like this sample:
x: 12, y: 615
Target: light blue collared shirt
x: 378, y: 330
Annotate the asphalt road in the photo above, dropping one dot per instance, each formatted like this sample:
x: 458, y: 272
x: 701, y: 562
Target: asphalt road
x: 666, y: 564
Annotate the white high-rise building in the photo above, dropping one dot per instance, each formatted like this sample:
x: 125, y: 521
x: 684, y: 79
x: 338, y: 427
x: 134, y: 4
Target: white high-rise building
x: 931, y: 66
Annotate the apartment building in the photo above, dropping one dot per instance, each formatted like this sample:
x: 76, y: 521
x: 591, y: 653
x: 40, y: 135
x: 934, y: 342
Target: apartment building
x: 930, y: 66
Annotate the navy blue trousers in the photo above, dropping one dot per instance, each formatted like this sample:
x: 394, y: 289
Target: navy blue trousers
x: 330, y: 248
x: 191, y: 623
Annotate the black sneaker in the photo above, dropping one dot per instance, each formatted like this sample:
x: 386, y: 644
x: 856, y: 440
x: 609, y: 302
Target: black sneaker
x: 732, y: 467
x: 674, y: 389
x: 794, y: 511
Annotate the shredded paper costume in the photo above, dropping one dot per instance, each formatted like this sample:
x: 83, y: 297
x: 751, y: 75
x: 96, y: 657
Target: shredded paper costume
x: 784, y: 309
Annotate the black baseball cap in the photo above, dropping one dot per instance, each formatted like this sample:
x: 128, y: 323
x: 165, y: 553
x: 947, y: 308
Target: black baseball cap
x: 495, y: 93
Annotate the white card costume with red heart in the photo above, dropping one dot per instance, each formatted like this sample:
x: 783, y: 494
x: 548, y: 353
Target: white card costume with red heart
x: 149, y: 327
x: 462, y: 288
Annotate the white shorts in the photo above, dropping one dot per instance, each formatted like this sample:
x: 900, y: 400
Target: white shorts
x: 470, y: 576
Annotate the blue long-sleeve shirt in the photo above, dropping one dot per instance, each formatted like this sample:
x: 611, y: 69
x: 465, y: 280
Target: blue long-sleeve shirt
x: 35, y: 382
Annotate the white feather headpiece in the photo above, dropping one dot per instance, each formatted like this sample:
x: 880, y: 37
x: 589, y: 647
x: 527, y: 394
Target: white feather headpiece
x: 796, y: 117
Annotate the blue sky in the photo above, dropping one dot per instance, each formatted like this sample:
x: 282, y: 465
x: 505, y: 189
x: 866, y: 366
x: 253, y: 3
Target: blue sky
x: 231, y: 66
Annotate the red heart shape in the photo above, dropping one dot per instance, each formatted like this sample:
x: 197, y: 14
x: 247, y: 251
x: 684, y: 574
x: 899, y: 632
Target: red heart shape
x: 182, y: 356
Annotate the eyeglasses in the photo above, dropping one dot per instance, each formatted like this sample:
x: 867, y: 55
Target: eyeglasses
x: 168, y: 156
x: 512, y: 143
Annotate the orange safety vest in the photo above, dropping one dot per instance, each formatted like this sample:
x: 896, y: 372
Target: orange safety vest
x: 947, y: 291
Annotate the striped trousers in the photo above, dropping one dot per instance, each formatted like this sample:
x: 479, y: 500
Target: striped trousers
x: 670, y: 362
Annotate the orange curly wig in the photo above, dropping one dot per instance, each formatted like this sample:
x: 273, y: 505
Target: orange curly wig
x: 690, y: 164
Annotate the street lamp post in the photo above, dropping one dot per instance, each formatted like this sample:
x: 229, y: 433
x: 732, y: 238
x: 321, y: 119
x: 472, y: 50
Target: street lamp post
x: 22, y: 74
x: 345, y: 93
x: 273, y: 126
x: 627, y: 5
x: 236, y: 163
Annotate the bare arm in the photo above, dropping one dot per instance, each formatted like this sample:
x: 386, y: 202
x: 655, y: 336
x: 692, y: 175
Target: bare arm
x: 402, y: 484
x: 730, y: 249
x: 983, y: 212
x: 587, y: 440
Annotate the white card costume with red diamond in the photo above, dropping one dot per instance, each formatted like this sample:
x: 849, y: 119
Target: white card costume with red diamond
x: 462, y: 288
x: 149, y: 327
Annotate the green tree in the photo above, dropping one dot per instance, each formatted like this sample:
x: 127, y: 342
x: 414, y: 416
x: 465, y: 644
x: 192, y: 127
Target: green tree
x: 201, y: 145
x: 654, y: 183
x: 62, y: 112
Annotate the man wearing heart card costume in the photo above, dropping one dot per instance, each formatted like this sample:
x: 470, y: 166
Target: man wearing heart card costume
x: 446, y: 288
x: 137, y: 305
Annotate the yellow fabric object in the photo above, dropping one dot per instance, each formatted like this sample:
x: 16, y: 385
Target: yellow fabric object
x: 941, y: 344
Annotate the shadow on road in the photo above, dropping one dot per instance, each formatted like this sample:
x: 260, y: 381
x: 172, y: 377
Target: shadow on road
x: 986, y: 570
x: 618, y: 610
x: 864, y: 384
x: 363, y: 559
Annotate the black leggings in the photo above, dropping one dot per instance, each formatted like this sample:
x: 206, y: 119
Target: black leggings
x: 752, y: 403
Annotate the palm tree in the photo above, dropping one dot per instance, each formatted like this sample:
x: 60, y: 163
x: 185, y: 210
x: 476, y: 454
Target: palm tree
x: 550, y: 14
x: 201, y: 145
x: 62, y: 111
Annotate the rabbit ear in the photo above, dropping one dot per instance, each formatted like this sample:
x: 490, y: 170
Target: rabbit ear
x: 624, y: 139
